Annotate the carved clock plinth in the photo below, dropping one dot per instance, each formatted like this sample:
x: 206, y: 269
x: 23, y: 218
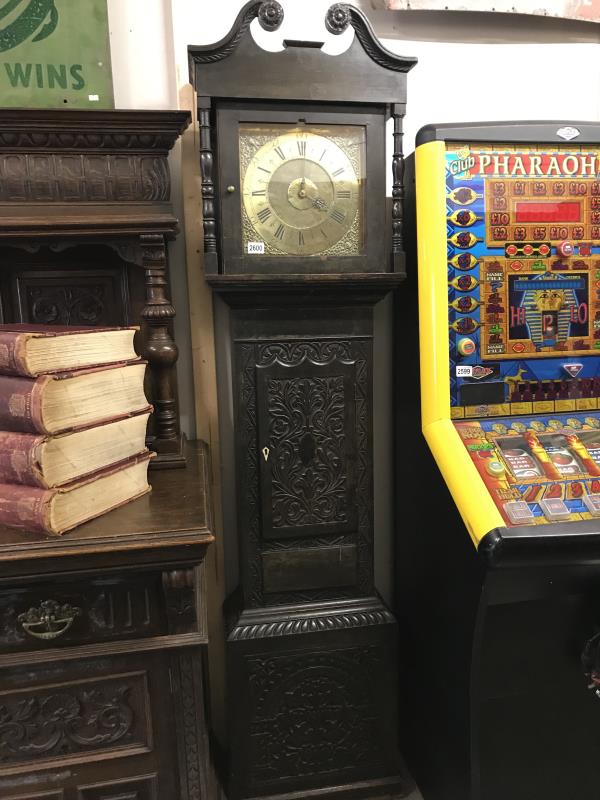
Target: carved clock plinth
x: 85, y: 205
x: 318, y: 706
x: 298, y: 246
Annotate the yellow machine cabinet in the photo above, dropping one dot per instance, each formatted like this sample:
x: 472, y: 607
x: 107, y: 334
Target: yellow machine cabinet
x: 509, y: 303
x: 505, y: 626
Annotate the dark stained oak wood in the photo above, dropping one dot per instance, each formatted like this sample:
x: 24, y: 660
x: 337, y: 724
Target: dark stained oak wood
x: 101, y: 663
x: 311, y: 649
x: 365, y: 85
x: 98, y: 178
x: 376, y: 73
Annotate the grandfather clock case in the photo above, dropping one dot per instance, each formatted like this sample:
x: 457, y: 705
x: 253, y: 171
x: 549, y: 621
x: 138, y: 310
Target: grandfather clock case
x: 301, y: 244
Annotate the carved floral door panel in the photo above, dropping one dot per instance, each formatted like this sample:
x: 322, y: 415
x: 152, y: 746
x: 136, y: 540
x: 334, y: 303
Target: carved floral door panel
x: 307, y: 442
x: 304, y: 465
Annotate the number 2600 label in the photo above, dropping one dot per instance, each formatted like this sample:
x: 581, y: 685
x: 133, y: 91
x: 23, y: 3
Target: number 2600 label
x: 256, y: 248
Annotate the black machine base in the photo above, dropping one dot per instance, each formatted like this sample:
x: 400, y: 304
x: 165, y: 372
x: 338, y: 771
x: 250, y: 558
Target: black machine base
x: 503, y: 666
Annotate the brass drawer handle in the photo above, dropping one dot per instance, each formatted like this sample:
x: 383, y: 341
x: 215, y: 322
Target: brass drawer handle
x: 49, y: 620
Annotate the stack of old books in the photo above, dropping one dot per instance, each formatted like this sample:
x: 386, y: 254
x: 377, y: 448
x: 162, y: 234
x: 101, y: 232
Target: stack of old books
x: 73, y: 417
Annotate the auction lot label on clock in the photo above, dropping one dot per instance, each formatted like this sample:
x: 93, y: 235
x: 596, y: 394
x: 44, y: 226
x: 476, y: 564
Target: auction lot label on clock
x: 55, y: 53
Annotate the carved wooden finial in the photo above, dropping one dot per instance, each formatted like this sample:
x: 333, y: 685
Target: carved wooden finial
x: 270, y: 15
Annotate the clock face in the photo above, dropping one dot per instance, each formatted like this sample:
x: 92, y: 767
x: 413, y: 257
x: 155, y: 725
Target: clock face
x: 302, y: 189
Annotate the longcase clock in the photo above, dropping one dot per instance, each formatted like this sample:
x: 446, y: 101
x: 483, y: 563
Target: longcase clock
x: 298, y: 244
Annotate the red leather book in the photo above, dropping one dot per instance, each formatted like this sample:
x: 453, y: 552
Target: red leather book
x: 39, y: 349
x: 71, y: 400
x: 54, y: 511
x: 49, y: 461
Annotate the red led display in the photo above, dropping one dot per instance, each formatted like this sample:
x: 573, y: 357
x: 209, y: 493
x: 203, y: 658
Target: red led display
x: 548, y: 211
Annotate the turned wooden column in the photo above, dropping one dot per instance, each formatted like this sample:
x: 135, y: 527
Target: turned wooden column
x: 160, y: 349
x: 397, y: 190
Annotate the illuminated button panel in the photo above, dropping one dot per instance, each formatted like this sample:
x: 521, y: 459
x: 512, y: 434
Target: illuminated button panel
x: 555, y: 509
x: 518, y: 512
x: 592, y: 503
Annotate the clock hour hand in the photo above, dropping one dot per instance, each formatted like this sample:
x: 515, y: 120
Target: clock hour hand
x: 320, y: 204
x: 303, y: 193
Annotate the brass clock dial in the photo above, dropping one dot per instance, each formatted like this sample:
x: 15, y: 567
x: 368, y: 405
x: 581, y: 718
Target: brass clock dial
x: 302, y: 191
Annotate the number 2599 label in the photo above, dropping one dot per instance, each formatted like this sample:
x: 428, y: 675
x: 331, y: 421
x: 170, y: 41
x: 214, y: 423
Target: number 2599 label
x: 256, y: 248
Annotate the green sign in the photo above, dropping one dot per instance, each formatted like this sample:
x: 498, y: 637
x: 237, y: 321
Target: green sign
x: 55, y: 53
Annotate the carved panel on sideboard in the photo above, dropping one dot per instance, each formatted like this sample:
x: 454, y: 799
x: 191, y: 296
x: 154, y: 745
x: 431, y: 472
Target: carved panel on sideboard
x: 66, y: 722
x: 80, y: 178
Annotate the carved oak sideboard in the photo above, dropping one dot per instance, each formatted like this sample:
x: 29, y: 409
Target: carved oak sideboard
x: 101, y: 693
x: 85, y: 215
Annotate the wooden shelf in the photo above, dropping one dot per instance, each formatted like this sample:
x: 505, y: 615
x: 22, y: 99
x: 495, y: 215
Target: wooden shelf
x: 151, y: 529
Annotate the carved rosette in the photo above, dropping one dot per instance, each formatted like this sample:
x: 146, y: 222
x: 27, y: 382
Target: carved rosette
x: 67, y: 305
x: 270, y: 15
x: 337, y: 18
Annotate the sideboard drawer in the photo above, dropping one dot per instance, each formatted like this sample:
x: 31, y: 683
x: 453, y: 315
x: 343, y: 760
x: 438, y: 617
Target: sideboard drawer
x: 68, y: 613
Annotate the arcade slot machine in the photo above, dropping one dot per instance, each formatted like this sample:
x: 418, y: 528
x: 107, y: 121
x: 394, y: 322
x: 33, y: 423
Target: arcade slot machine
x: 508, y: 240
